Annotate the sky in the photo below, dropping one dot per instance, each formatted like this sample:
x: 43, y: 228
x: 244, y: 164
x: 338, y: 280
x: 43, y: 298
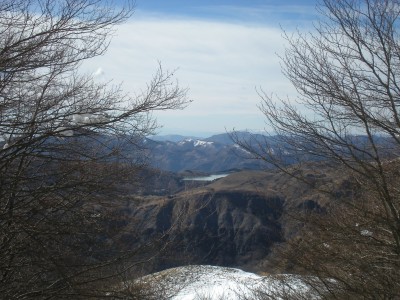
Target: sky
x: 222, y: 51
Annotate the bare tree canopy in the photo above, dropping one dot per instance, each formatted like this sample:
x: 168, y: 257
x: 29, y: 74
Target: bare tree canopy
x: 345, y: 72
x: 68, y: 143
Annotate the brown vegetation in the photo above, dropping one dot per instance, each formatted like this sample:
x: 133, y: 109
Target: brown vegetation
x: 62, y: 155
x: 346, y: 74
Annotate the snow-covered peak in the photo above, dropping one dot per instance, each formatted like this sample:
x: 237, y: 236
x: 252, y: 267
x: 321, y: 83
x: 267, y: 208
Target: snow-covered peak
x: 185, y: 141
x: 219, y: 283
x: 195, y: 143
x: 214, y: 283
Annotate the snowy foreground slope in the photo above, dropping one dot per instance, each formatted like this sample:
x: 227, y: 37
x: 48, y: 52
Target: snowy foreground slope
x: 217, y: 283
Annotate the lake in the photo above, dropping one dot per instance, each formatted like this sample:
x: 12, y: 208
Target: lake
x: 205, y: 178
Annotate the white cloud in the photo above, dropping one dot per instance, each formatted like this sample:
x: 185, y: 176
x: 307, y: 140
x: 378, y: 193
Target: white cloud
x: 221, y: 63
x: 98, y: 72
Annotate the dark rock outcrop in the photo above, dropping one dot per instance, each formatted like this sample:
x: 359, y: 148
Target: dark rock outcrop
x: 236, y: 221
x: 226, y: 228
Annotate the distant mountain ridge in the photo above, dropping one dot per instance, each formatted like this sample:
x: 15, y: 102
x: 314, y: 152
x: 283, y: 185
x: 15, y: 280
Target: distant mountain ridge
x: 217, y: 153
x: 223, y: 138
x: 220, y: 153
x: 171, y: 138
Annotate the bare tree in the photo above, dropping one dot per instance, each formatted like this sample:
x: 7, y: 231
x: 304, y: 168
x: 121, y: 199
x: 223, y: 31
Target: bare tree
x: 68, y: 145
x: 345, y: 72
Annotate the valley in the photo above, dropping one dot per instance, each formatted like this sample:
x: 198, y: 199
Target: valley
x: 240, y: 220
x: 218, y: 215
x: 233, y: 221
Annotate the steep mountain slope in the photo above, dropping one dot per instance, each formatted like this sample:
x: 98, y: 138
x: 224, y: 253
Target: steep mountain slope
x: 233, y: 221
x: 214, y: 227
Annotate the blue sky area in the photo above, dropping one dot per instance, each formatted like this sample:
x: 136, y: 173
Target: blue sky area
x: 246, y: 11
x: 223, y: 52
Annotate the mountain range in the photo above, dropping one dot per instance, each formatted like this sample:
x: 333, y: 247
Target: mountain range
x: 221, y: 153
x: 218, y: 153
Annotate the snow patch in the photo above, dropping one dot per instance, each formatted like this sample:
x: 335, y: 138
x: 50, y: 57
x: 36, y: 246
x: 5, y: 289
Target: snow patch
x: 202, y: 143
x: 238, y: 147
x: 366, y: 232
x: 214, y: 283
x: 196, y: 143
x: 185, y: 141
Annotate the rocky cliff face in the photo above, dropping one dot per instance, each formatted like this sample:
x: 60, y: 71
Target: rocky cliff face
x: 234, y: 221
x: 221, y: 228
